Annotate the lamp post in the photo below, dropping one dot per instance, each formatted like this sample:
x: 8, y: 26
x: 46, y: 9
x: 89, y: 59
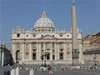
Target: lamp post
x: 45, y: 55
x: 95, y: 60
x: 43, y: 58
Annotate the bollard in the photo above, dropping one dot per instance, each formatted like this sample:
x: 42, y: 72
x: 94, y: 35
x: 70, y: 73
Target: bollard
x: 17, y: 71
x: 31, y: 72
x: 12, y: 72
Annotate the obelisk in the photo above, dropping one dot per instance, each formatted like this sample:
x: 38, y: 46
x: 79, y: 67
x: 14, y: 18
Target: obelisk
x: 74, y: 36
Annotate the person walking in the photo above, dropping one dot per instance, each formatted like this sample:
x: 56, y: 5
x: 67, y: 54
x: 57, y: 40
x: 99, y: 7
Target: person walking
x: 50, y: 70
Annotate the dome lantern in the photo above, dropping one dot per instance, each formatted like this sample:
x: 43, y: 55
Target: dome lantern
x: 44, y: 15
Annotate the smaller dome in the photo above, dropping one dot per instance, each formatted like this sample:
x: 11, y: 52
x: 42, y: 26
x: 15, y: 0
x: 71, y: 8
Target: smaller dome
x: 44, y: 21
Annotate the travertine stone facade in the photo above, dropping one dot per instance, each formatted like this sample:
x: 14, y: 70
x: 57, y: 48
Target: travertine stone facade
x: 27, y: 46
x: 91, y: 49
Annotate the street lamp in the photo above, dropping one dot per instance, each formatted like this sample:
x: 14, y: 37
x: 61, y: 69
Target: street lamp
x: 42, y: 60
x: 95, y: 60
x: 44, y: 57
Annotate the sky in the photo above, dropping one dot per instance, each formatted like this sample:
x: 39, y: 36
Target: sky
x: 24, y: 13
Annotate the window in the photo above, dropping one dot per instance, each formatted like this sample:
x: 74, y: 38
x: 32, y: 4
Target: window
x: 48, y: 56
x: 34, y: 50
x: 61, y: 35
x: 18, y: 35
x: 41, y: 35
x: 38, y: 30
x: 17, y: 56
x: 34, y: 56
x: 53, y: 57
x: 48, y: 49
x: 61, y: 56
x: 26, y: 35
x: 34, y: 35
x: 67, y: 35
x: 53, y: 30
x: 61, y: 50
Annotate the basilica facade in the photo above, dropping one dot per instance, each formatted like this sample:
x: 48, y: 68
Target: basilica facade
x: 44, y: 43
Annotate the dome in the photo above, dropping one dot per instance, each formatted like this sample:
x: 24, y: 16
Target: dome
x: 44, y: 22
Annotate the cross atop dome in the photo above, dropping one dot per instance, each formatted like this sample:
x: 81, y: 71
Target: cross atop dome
x: 44, y: 15
x: 73, y: 2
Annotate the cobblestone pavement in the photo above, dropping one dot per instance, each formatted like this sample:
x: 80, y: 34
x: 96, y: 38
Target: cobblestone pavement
x: 70, y: 72
x: 67, y: 72
x: 58, y: 72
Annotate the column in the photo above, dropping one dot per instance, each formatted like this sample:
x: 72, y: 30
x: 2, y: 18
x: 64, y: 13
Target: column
x: 2, y: 58
x: 44, y: 52
x: 22, y: 49
x: 13, y: 52
x: 37, y: 52
x: 55, y: 51
x: 65, y: 51
x: 30, y: 51
x: 51, y: 51
x: 44, y: 49
x: 70, y: 51
x: 39, y: 48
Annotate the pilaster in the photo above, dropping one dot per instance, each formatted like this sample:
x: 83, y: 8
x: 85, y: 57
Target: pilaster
x: 37, y: 52
x: 65, y: 51
x: 22, y: 48
x: 55, y: 51
x: 39, y: 49
x: 30, y: 51
x: 51, y: 51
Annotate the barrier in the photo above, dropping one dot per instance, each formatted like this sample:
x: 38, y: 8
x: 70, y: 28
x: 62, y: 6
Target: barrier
x: 17, y: 71
x: 31, y: 72
x: 13, y: 72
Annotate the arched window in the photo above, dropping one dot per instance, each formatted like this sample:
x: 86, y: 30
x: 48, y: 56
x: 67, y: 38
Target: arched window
x: 17, y: 56
x: 18, y: 35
